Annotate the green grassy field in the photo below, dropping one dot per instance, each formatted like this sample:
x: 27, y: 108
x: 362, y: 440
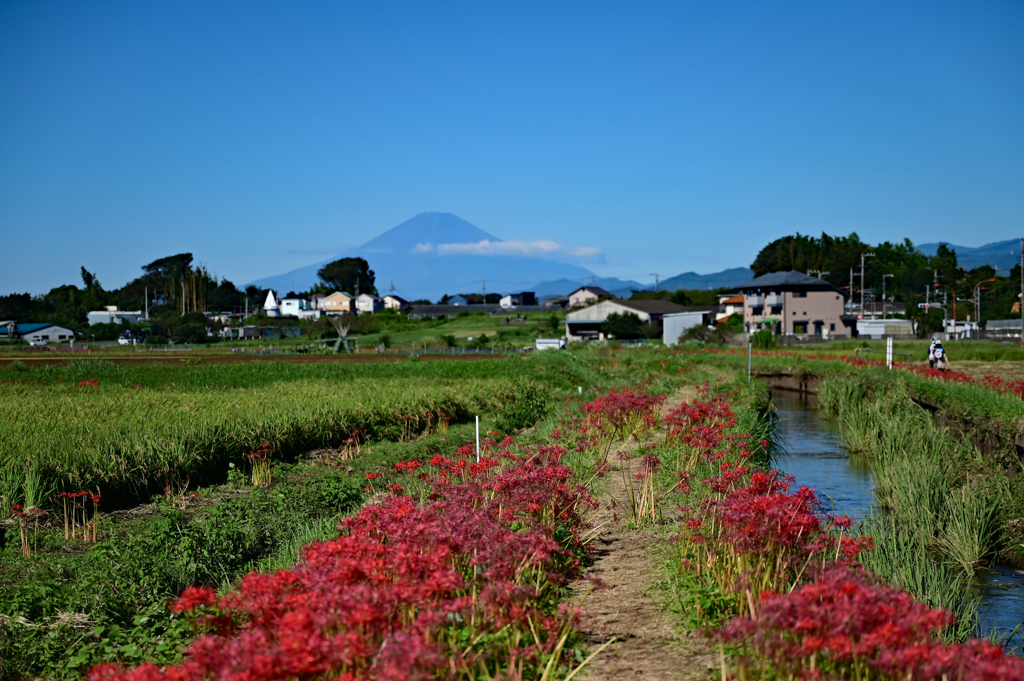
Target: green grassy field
x: 138, y: 425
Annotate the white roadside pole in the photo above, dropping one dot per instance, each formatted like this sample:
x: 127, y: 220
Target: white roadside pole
x: 888, y: 352
x: 478, y: 439
x: 750, y: 358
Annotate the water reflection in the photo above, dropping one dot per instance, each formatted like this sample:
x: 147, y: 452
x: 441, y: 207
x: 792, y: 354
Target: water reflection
x: 813, y: 452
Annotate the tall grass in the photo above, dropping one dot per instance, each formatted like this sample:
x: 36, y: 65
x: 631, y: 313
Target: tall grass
x: 900, y: 558
x: 971, y: 528
x: 922, y: 472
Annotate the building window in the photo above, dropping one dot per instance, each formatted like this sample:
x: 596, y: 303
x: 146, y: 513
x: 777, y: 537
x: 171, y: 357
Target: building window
x: 805, y: 313
x: 756, y: 311
x: 777, y: 310
x: 799, y: 294
x: 831, y: 327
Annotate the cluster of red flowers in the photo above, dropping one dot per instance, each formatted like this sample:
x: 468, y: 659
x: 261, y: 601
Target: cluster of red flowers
x: 848, y: 624
x: 618, y: 405
x: 408, y: 591
x: 91, y: 383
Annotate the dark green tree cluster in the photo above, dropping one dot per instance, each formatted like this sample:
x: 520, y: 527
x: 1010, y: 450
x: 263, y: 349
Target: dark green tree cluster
x: 174, y: 285
x: 352, y: 275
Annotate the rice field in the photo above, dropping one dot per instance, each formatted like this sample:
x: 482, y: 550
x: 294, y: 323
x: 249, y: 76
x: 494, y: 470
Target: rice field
x: 127, y: 430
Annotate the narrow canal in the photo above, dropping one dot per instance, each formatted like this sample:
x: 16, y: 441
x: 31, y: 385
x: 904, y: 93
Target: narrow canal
x: 812, y: 452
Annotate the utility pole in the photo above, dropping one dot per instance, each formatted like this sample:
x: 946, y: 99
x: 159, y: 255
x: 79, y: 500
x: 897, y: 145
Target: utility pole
x: 392, y: 287
x: 483, y: 288
x: 851, y: 285
x: 884, y: 277
x: 655, y: 275
x: 862, y: 257
x: 147, y: 303
x: 977, y: 299
x: 1021, y: 290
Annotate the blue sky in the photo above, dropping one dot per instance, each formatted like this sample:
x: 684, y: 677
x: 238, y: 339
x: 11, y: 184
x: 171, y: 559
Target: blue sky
x: 667, y: 137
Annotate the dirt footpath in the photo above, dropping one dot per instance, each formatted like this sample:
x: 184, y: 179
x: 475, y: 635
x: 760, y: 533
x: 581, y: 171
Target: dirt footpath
x: 648, y: 644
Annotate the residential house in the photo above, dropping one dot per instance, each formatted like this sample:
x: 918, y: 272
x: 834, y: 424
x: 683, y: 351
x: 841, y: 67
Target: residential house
x: 111, y: 315
x: 393, y: 302
x: 586, y: 324
x: 731, y: 304
x: 298, y: 306
x: 457, y: 300
x: 794, y: 304
x: 587, y: 295
x: 368, y: 303
x: 336, y: 303
x: 514, y: 300
x: 38, y: 334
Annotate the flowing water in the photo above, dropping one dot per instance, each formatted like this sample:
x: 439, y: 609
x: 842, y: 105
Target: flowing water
x: 813, y: 453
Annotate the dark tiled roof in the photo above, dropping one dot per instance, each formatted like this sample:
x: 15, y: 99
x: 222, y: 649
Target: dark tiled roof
x: 653, y: 306
x: 791, y: 279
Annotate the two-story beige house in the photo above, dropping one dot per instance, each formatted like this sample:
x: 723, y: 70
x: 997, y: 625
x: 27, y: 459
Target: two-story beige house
x: 792, y: 303
x: 336, y: 303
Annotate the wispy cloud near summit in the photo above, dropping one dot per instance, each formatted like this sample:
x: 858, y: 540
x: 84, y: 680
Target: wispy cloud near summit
x: 539, y: 249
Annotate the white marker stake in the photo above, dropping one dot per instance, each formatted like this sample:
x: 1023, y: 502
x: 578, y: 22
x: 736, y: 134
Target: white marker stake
x: 750, y: 359
x: 478, y: 439
x: 580, y: 388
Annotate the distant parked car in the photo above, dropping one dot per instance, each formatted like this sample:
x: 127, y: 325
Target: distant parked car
x: 550, y: 343
x: 38, y: 343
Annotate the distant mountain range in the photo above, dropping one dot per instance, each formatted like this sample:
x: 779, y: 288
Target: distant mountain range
x: 437, y: 253
x: 1002, y: 255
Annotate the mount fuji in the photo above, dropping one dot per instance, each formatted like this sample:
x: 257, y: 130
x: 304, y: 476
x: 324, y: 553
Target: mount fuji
x: 437, y: 253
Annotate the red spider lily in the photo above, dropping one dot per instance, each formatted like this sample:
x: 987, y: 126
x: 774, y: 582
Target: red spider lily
x: 379, y: 601
x: 852, y: 623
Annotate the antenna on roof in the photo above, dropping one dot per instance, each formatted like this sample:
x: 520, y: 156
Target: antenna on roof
x: 593, y: 280
x: 820, y: 273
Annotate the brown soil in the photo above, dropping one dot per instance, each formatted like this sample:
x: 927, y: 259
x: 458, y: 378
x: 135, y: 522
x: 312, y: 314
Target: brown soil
x: 647, y: 641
